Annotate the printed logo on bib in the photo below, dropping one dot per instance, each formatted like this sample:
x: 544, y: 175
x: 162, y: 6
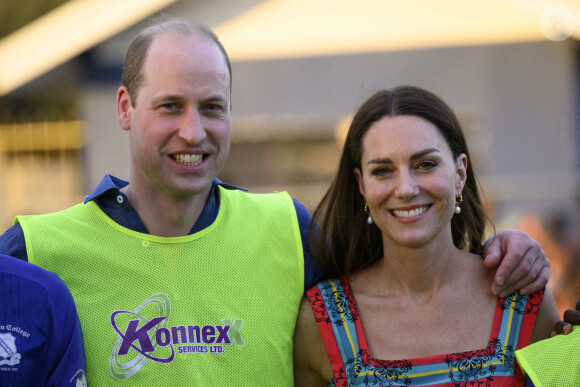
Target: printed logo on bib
x: 144, y: 334
x: 81, y: 378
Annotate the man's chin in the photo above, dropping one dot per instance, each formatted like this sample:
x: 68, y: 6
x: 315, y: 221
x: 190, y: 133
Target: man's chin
x: 190, y: 190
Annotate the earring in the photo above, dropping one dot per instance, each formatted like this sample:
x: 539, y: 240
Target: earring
x: 369, y: 219
x: 458, y: 201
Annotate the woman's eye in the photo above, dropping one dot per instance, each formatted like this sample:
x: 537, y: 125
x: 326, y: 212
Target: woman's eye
x: 380, y: 171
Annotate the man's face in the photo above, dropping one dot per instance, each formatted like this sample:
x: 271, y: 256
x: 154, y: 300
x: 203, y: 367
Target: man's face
x: 180, y: 124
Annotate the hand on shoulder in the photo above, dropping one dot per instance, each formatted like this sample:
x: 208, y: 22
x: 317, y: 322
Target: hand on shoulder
x: 521, y: 263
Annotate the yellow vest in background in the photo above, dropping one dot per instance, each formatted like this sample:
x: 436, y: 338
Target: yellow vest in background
x: 553, y: 362
x: 216, y: 308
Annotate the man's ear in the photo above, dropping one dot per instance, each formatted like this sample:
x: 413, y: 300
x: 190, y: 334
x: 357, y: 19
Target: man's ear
x: 124, y: 108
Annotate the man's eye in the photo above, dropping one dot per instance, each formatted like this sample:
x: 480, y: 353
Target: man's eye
x: 428, y: 164
x: 170, y: 105
x: 213, y: 107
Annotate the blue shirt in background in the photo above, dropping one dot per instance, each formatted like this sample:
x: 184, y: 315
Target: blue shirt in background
x: 41, y: 342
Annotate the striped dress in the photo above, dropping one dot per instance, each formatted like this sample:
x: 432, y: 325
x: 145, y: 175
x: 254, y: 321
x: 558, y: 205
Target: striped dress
x: 353, y: 365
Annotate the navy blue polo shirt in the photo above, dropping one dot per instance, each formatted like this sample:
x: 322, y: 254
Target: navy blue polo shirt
x: 114, y: 203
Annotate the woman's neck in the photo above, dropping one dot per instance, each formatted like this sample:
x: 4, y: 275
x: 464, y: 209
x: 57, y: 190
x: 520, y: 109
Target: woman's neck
x: 417, y: 272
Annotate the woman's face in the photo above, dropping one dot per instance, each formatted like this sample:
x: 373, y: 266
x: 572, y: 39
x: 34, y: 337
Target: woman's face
x: 410, y: 180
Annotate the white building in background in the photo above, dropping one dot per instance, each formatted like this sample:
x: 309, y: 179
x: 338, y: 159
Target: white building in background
x: 517, y: 95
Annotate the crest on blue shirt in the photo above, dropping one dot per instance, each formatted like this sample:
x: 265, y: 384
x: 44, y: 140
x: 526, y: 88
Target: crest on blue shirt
x: 8, y: 353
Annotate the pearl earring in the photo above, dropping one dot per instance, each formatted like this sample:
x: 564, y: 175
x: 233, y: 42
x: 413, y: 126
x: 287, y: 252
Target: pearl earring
x: 458, y: 201
x: 369, y: 219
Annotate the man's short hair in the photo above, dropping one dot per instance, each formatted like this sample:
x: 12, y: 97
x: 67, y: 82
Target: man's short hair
x: 136, y: 54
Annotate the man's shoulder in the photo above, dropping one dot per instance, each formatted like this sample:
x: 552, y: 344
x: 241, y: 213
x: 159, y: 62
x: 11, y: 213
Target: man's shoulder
x: 74, y: 207
x: 279, y: 197
x: 258, y: 195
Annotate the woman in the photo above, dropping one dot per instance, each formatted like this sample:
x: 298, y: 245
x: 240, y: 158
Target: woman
x: 405, y: 224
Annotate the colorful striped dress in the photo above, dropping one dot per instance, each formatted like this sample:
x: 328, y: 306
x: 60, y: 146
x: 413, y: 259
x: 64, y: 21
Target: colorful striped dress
x: 352, y: 364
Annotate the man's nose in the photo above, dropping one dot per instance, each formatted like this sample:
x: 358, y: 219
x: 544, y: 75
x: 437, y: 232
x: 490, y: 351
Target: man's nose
x: 191, y: 128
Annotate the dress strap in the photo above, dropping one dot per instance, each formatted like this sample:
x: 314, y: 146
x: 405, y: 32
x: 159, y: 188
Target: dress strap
x: 333, y: 309
x: 529, y: 319
x: 515, y: 318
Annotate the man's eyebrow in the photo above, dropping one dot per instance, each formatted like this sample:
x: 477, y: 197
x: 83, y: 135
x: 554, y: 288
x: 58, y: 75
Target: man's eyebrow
x: 216, y: 97
x: 413, y: 157
x: 166, y: 98
x: 176, y: 97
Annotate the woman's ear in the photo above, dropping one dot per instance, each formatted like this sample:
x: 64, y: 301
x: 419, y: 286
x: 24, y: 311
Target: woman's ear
x: 359, y: 179
x: 461, y: 170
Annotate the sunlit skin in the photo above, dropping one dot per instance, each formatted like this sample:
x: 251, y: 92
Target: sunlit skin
x: 410, y: 181
x: 179, y: 131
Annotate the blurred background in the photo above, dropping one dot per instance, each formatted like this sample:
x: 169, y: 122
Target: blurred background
x: 509, y: 68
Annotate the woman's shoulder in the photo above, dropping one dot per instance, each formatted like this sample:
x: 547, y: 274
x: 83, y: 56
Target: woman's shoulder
x: 548, y: 315
x: 476, y: 270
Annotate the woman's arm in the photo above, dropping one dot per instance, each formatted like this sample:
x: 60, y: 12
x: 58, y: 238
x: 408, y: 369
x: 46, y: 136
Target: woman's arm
x: 547, y: 317
x: 310, y: 358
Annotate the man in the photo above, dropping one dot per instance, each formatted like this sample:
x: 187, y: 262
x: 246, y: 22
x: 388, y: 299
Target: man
x: 554, y: 362
x: 41, y: 343
x: 178, y: 277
